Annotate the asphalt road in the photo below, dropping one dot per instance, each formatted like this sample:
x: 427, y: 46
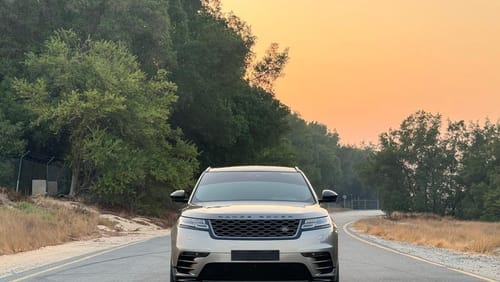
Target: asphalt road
x: 363, y: 262
x: 149, y: 261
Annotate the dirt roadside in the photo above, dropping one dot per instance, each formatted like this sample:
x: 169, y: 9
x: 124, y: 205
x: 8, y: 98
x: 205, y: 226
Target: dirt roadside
x: 130, y: 230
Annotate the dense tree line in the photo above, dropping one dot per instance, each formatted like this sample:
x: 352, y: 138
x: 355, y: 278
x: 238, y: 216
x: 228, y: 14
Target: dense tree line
x: 419, y: 167
x: 138, y: 97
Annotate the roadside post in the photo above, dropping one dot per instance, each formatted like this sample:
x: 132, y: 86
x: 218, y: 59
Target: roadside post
x: 19, y: 171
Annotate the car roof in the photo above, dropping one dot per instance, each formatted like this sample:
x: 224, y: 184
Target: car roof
x: 253, y: 168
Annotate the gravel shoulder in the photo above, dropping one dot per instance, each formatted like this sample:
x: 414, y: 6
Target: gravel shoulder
x: 131, y: 230
x: 483, y: 265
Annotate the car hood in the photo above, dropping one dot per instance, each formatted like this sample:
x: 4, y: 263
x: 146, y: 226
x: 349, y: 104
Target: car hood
x: 254, y: 210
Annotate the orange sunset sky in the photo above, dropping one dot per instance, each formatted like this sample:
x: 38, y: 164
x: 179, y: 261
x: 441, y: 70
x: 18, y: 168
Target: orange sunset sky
x: 362, y: 66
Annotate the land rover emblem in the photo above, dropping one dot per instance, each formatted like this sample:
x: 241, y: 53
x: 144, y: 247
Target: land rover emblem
x: 284, y: 229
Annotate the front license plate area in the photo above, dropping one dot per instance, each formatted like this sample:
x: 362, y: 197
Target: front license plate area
x: 255, y: 255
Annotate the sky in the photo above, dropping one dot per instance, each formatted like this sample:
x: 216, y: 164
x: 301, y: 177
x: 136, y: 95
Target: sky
x: 361, y: 66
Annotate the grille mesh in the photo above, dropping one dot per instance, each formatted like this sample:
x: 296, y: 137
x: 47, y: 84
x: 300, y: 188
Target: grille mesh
x: 246, y: 228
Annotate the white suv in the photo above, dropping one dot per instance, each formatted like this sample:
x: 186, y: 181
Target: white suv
x: 254, y: 223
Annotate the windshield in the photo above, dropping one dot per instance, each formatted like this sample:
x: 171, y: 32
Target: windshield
x: 253, y: 186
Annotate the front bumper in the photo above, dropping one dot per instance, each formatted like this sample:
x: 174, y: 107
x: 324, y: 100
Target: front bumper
x: 194, y: 251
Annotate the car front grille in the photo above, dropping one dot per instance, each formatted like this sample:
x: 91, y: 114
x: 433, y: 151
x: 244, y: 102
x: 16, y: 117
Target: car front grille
x: 255, y: 229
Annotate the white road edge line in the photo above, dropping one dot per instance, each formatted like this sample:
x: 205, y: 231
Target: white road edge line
x: 78, y: 260
x: 345, y: 228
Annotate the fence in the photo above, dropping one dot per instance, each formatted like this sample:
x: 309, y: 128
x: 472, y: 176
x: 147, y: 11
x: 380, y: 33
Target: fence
x: 365, y: 204
x: 359, y: 204
x: 35, y: 172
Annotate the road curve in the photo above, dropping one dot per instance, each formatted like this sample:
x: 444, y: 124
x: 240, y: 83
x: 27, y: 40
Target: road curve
x: 149, y: 261
x: 364, y: 262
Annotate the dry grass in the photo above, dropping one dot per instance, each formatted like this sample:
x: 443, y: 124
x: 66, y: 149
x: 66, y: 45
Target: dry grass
x: 107, y: 222
x: 28, y: 225
x: 431, y: 230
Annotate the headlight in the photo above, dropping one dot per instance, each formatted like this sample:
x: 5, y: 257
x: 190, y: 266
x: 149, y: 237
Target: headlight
x: 193, y: 223
x: 316, y: 223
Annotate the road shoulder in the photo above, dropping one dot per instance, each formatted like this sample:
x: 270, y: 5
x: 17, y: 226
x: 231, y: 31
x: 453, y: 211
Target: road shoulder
x: 479, y: 266
x: 20, y: 262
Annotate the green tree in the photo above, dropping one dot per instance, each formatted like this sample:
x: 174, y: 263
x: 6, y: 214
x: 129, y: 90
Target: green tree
x: 454, y: 144
x: 115, y: 118
x: 418, y: 137
x: 352, y: 162
x: 384, y: 170
x: 479, y: 173
x: 24, y: 26
x: 265, y: 72
x: 142, y: 26
x: 11, y: 146
x: 414, y: 154
x: 230, y: 121
x: 11, y: 142
x: 419, y: 169
x: 315, y: 150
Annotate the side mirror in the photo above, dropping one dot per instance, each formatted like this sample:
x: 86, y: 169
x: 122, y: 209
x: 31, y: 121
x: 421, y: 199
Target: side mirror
x: 328, y: 196
x: 179, y: 196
